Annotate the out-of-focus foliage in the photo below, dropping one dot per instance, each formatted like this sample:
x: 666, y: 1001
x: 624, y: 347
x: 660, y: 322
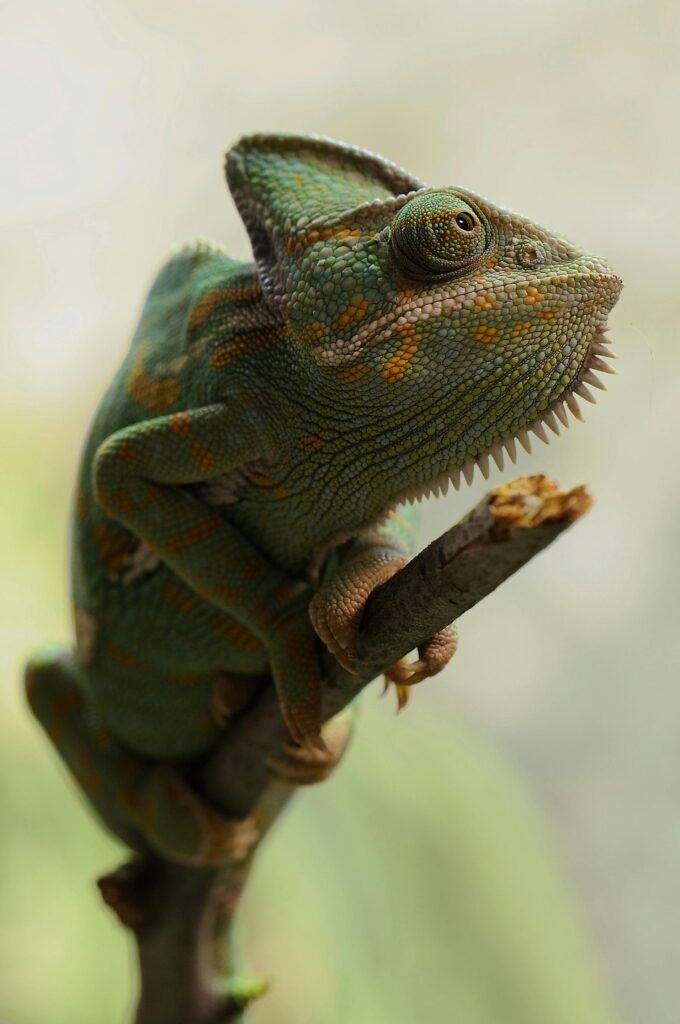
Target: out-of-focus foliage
x: 419, y: 883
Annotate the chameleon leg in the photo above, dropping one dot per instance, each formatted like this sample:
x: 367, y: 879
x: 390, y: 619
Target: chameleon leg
x: 304, y: 766
x: 147, y: 804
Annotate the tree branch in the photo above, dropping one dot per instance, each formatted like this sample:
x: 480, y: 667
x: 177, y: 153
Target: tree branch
x: 181, y: 917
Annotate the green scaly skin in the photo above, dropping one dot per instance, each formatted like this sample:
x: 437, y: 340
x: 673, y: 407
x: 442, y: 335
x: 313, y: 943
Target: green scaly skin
x: 258, y: 438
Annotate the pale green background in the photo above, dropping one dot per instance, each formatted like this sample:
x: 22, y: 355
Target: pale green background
x: 414, y: 886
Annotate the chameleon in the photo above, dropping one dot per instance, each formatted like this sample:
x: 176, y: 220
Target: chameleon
x: 253, y: 470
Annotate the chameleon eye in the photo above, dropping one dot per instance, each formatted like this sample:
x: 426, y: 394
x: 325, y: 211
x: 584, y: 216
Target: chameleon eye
x: 437, y: 235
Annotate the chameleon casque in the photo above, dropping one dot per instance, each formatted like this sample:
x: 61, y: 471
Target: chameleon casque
x: 239, y: 493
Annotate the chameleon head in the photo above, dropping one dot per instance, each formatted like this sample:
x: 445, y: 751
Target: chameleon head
x: 439, y: 325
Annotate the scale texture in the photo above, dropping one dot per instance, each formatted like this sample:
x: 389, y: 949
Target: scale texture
x: 245, y: 483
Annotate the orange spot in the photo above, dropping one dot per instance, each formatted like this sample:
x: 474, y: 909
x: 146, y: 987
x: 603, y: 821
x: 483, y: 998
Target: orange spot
x: 153, y: 493
x: 485, y: 300
x: 312, y: 333
x: 178, y: 598
x: 127, y: 451
x: 180, y: 423
x: 155, y: 393
x: 545, y: 314
x: 246, y: 342
x: 203, y: 457
x: 354, y: 373
x: 306, y: 238
x: 520, y: 328
x: 238, y: 635
x: 202, y: 309
x: 353, y: 314
x: 396, y: 366
x: 201, y: 530
x: 532, y: 295
x: 225, y: 592
x: 264, y: 615
x: 486, y: 334
x: 121, y: 503
x: 315, y: 441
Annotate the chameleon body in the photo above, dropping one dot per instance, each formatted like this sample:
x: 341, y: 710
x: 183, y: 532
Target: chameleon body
x: 240, y: 488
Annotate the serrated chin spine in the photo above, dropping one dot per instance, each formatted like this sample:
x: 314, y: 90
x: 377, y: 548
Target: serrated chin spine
x: 556, y: 415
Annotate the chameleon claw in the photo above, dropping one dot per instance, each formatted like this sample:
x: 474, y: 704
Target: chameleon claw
x: 402, y: 691
x: 305, y: 765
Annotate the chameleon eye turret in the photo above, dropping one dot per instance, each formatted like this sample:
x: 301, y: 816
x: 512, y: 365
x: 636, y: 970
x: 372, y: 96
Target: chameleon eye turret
x: 438, y: 235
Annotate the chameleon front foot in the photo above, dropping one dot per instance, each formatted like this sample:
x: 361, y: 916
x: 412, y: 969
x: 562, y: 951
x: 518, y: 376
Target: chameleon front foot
x: 307, y: 765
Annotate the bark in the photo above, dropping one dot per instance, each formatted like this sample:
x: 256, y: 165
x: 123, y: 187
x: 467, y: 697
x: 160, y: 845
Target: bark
x: 182, y: 917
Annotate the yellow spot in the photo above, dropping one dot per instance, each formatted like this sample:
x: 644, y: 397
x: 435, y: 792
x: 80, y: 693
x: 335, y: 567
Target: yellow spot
x: 532, y: 295
x: 485, y: 300
x: 355, y: 312
x: 202, y: 309
x: 486, y: 334
x: 312, y: 333
x: 315, y: 441
x: 155, y: 393
x: 353, y: 373
x: 396, y: 366
x: 241, y: 344
x: 520, y: 328
x: 545, y: 314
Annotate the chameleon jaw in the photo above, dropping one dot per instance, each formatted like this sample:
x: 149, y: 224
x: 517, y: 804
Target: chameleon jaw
x: 555, y: 415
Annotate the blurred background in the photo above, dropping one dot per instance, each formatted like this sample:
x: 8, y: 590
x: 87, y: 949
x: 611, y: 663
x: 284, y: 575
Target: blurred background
x: 507, y: 849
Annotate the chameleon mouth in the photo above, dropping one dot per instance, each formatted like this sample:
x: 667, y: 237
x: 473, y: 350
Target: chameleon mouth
x: 554, y: 417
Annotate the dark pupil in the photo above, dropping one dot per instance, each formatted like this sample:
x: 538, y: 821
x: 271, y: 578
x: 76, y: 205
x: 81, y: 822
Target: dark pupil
x: 465, y: 221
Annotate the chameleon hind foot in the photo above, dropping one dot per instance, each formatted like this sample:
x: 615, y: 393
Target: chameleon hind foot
x: 305, y: 766
x: 296, y: 670
x: 148, y: 804
x: 433, y: 656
